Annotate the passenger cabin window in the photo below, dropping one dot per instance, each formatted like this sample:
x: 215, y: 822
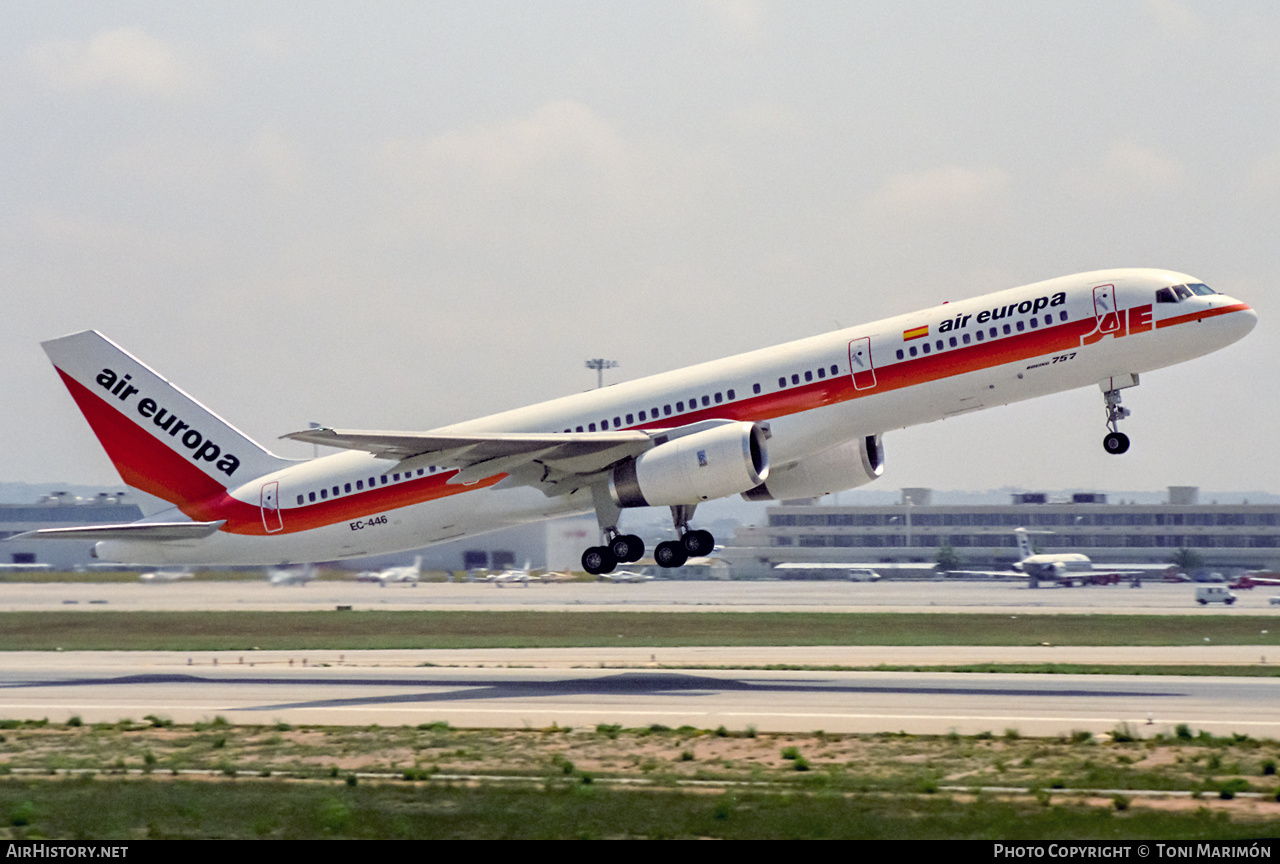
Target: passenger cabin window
x: 795, y: 379
x: 808, y: 376
x: 730, y: 395
x: 755, y: 388
x: 782, y: 382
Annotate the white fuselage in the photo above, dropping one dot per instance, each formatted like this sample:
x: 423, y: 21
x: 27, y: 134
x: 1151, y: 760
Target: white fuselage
x: 815, y: 393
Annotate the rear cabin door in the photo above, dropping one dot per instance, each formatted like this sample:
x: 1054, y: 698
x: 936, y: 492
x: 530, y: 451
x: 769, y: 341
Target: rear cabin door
x: 271, y: 507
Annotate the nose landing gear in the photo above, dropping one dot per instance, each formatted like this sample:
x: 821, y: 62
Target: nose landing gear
x: 1116, y: 442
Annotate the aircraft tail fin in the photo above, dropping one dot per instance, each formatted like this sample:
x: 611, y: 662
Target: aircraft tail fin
x: 1024, y: 543
x: 161, y: 440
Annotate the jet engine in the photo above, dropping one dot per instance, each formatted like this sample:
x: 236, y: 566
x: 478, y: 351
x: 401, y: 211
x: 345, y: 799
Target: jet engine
x: 844, y: 466
x: 714, y: 463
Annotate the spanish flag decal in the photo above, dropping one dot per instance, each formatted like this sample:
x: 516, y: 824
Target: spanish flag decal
x: 915, y: 333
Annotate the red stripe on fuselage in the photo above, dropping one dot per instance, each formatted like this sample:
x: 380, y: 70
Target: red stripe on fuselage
x: 1201, y: 315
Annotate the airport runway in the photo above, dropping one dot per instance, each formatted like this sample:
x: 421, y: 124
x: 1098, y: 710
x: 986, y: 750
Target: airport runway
x: 578, y: 687
x: 107, y: 687
x: 658, y: 596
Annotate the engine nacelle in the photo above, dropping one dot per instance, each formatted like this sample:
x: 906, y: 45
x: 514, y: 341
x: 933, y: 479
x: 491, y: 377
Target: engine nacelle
x: 714, y: 463
x: 844, y: 466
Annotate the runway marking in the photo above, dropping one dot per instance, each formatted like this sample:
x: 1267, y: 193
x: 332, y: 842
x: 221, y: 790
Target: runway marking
x: 565, y: 709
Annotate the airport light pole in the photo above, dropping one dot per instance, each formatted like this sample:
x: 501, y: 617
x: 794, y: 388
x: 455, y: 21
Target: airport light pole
x: 600, y: 365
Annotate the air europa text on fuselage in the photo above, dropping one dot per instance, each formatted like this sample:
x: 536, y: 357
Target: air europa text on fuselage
x: 200, y: 447
x: 999, y: 312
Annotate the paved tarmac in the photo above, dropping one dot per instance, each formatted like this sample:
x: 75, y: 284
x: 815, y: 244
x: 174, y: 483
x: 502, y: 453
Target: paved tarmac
x: 361, y: 688
x: 657, y: 596
x: 702, y: 687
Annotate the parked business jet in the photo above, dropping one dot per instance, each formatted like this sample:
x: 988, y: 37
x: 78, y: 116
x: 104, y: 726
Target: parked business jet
x: 408, y: 574
x: 796, y: 420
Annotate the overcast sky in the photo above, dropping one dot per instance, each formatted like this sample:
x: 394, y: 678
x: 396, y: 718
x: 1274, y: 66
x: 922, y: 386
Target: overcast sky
x: 397, y: 215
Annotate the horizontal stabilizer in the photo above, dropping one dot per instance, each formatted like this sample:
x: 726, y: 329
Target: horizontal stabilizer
x: 152, y: 531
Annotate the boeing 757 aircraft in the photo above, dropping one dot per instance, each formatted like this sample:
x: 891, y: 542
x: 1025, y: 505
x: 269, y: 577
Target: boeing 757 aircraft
x: 793, y: 421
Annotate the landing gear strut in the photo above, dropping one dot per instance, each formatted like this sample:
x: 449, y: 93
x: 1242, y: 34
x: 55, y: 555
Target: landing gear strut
x: 618, y: 548
x: 1116, y: 442
x: 674, y: 553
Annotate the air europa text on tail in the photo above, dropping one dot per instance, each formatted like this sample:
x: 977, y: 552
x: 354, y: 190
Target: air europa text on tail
x: 200, y: 447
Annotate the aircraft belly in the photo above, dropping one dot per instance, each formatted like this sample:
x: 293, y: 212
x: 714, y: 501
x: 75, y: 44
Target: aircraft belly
x: 406, y: 528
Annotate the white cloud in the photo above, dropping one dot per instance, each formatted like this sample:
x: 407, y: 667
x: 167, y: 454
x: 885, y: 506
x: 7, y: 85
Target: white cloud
x: 560, y: 131
x: 1128, y: 168
x: 124, y: 58
x: 947, y: 188
x: 743, y: 19
x: 1174, y: 20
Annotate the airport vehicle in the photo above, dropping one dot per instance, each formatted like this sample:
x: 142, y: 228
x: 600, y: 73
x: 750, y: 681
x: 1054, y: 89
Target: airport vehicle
x: 1254, y: 578
x: 291, y: 575
x: 162, y: 576
x: 623, y: 577
x: 1206, y: 594
x: 829, y: 570
x: 797, y: 420
x: 406, y: 575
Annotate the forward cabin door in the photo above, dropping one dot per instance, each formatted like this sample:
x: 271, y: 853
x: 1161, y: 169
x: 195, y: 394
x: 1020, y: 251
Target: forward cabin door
x: 860, y: 365
x: 1104, y: 308
x: 271, y: 507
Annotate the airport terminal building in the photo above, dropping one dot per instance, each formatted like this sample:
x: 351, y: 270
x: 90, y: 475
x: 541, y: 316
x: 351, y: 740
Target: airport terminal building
x: 59, y: 510
x: 1228, y: 537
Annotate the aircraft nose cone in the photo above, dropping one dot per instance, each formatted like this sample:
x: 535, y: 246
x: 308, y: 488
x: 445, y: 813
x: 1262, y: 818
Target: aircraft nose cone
x: 1244, y: 320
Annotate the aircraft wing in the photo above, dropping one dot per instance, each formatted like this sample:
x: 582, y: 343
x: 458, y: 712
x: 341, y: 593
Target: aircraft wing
x: 552, y: 461
x: 128, y: 531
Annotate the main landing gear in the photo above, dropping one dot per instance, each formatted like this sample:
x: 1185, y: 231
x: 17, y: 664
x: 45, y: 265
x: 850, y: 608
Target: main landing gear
x: 619, y: 548
x: 1115, y: 442
x: 674, y: 553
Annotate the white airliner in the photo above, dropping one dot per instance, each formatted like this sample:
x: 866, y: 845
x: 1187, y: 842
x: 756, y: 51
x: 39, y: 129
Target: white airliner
x: 796, y: 420
x: 1068, y: 568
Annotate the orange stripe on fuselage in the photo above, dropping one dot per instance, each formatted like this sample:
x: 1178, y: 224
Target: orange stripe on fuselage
x: 1201, y: 315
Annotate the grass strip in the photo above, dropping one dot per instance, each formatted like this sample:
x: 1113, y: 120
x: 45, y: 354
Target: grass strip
x: 355, y: 630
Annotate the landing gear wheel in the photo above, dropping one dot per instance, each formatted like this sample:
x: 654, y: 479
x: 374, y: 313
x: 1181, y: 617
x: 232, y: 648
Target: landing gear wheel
x: 698, y: 543
x: 1115, y: 443
x: 627, y: 548
x: 598, y: 560
x: 670, y: 554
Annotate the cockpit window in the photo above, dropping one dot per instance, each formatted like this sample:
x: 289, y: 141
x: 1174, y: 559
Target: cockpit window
x: 1201, y: 289
x: 1182, y: 291
x: 1165, y: 295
